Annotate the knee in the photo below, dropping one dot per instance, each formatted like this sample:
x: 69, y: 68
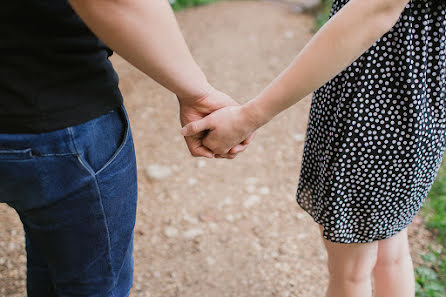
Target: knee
x: 390, y: 259
x: 356, y: 269
x: 393, y: 252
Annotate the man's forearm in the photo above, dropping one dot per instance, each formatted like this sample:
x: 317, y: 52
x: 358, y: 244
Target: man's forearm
x: 338, y: 44
x: 145, y: 33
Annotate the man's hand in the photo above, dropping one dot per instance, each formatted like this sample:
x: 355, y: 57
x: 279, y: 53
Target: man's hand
x: 195, y: 110
x: 225, y: 128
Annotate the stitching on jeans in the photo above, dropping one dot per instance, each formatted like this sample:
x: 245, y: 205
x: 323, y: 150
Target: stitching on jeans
x: 54, y: 155
x: 121, y: 145
x: 70, y: 130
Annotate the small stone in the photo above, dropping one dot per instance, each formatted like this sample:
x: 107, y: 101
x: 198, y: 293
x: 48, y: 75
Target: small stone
x: 300, y: 216
x: 299, y: 137
x: 257, y: 246
x: 201, y: 163
x: 213, y: 227
x: 157, y: 172
x: 227, y: 201
x: 250, y: 188
x: 206, y: 217
x: 251, y: 201
x: 192, y: 181
x: 229, y: 218
x: 301, y: 236
x: 283, y: 250
x: 211, y: 261
x: 189, y: 218
x: 192, y: 233
x: 289, y: 34
x: 251, y: 180
x: 264, y: 191
x: 171, y: 231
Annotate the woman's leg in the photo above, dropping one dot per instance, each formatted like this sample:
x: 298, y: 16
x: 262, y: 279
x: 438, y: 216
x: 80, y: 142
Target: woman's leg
x: 393, y: 272
x: 350, y: 267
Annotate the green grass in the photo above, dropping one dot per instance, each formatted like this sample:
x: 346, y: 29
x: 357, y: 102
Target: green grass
x: 431, y: 275
x: 181, y: 4
x: 435, y: 207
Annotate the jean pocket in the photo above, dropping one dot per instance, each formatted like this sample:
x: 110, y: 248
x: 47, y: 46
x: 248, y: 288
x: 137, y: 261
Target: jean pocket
x: 15, y: 154
x: 100, y: 141
x: 19, y: 176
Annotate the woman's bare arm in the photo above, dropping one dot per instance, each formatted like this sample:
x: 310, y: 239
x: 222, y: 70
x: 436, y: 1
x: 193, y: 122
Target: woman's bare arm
x: 345, y: 37
x: 338, y: 43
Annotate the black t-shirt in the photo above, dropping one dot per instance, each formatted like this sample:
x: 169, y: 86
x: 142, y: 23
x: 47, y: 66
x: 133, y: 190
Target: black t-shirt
x: 54, y: 72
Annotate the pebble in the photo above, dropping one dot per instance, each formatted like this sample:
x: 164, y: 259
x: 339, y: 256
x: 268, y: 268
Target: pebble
x: 206, y: 217
x: 229, y: 218
x: 300, y: 215
x: 192, y: 181
x: 251, y: 180
x: 250, y: 188
x: 299, y: 137
x: 192, y: 233
x: 157, y: 172
x: 189, y: 218
x: 289, y: 34
x: 213, y: 227
x: 251, y: 201
x: 264, y: 191
x: 171, y: 232
x: 210, y: 260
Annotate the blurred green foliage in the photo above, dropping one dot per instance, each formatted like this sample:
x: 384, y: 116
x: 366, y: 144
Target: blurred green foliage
x: 431, y: 275
x: 435, y: 208
x: 180, y: 4
x: 324, y: 13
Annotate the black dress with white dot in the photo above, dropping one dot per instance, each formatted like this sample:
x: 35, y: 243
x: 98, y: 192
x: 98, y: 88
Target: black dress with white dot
x: 377, y: 131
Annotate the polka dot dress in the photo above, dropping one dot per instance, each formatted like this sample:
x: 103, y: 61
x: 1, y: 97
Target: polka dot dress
x: 377, y: 132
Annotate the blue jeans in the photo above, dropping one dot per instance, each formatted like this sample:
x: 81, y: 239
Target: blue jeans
x: 75, y: 192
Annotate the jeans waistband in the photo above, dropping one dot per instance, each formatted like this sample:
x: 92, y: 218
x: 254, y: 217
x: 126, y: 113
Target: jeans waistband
x: 58, y: 142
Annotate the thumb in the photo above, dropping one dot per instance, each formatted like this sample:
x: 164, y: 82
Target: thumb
x: 196, y: 127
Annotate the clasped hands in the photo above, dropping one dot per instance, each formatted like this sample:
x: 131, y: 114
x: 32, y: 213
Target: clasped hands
x: 216, y: 125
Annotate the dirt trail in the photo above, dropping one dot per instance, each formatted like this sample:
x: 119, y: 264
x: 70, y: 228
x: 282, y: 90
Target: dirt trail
x: 215, y: 228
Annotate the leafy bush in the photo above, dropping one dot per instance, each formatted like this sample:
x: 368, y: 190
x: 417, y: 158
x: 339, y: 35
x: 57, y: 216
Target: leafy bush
x: 323, y: 14
x: 180, y: 4
x: 431, y: 275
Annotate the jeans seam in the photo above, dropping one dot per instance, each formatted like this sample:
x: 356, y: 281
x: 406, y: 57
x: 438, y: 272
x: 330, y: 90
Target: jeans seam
x: 93, y: 175
x: 121, y: 145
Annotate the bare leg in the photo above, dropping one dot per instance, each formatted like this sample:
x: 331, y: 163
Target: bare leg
x: 394, y: 276
x: 350, y: 267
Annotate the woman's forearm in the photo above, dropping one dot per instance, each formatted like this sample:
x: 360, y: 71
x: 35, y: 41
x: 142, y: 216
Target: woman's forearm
x: 339, y: 43
x: 145, y: 33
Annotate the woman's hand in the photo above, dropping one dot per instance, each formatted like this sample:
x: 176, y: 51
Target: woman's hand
x: 195, y: 110
x: 225, y: 128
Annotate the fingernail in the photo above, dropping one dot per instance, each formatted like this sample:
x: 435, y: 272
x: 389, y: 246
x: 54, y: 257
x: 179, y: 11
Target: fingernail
x: 183, y: 131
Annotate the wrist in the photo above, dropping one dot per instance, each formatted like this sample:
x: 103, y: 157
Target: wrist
x: 199, y: 93
x: 255, y: 114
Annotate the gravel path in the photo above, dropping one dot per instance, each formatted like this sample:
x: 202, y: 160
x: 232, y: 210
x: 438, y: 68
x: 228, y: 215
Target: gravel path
x: 216, y: 228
